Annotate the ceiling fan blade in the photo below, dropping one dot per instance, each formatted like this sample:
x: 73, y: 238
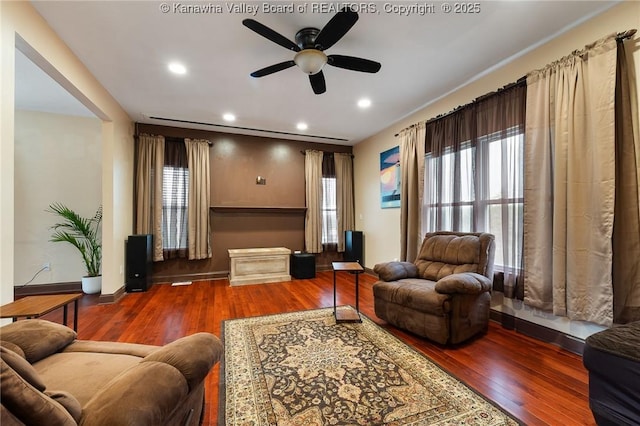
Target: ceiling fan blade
x: 270, y: 34
x: 354, y: 64
x: 273, y: 68
x: 317, y: 83
x: 336, y: 28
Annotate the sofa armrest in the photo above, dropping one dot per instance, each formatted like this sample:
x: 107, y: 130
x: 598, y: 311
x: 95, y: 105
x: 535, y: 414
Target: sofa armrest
x: 192, y: 355
x: 144, y: 395
x: 149, y: 392
x: 465, y: 283
x: 393, y: 271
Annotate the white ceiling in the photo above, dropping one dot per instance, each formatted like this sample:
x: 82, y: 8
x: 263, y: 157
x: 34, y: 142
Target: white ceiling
x: 127, y: 45
x: 37, y: 91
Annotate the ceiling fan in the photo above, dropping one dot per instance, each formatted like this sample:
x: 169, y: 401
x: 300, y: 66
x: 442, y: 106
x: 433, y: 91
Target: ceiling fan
x: 310, y: 44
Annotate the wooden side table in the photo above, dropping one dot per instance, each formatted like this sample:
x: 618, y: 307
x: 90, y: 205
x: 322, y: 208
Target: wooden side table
x: 37, y: 306
x: 347, y: 315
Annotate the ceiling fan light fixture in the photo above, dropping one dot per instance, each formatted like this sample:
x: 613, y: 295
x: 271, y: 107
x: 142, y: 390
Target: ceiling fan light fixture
x: 364, y: 103
x: 310, y: 61
x: 177, y: 68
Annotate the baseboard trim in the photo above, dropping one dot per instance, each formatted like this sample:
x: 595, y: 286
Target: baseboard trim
x: 539, y: 332
x: 55, y: 288
x: 113, y: 297
x: 214, y: 275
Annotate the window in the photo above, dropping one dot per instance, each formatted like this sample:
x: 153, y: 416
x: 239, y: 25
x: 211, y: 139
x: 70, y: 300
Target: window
x: 504, y: 203
x: 175, y: 183
x: 451, y: 211
x: 481, y: 190
x: 474, y: 175
x: 175, y: 190
x: 329, y: 211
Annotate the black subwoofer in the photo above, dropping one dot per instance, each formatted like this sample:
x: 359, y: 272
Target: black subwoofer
x: 303, y: 265
x: 139, y: 262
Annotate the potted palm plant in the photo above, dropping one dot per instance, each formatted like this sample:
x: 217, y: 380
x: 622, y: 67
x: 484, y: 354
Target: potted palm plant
x: 84, y: 234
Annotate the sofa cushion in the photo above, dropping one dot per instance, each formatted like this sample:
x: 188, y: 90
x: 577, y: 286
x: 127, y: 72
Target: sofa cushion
x: 113, y: 348
x: 393, y: 271
x: 27, y: 403
x: 413, y: 293
x: 23, y: 368
x: 82, y: 373
x: 68, y: 401
x: 37, y: 338
x: 446, y: 254
x: 12, y: 347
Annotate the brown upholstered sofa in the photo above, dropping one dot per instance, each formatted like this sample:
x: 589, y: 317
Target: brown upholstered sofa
x: 445, y: 294
x: 48, y: 377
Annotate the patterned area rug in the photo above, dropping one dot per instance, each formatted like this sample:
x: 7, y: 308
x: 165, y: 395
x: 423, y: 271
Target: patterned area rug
x: 302, y: 368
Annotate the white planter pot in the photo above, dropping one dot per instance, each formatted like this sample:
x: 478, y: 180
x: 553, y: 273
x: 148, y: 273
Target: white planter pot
x: 92, y: 285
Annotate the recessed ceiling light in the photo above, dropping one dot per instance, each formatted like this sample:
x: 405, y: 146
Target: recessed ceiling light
x: 229, y: 117
x: 364, y: 103
x: 177, y: 68
x: 302, y: 126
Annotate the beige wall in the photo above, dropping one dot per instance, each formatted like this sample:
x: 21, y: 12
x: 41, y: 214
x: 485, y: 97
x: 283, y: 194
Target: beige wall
x: 22, y: 26
x: 382, y: 226
x: 58, y: 158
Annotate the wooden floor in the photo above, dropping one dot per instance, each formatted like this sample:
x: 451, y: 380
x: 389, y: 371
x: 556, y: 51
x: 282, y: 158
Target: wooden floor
x: 538, y: 383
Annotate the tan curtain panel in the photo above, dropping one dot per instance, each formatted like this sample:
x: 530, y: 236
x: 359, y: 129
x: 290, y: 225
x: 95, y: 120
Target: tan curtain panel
x: 344, y: 195
x: 569, y: 185
x: 198, y: 235
x: 412, y: 146
x: 313, y: 191
x: 150, y: 162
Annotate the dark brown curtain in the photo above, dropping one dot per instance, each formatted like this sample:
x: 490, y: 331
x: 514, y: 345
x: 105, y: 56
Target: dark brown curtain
x: 626, y: 226
x: 474, y: 177
x: 329, y: 210
x: 175, y: 199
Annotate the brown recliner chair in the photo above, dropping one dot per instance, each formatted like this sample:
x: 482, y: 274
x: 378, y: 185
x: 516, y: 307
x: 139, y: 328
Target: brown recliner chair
x: 445, y: 294
x: 48, y: 377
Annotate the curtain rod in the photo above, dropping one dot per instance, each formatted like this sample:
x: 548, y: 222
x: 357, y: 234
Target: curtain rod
x: 137, y: 136
x: 619, y: 37
x: 330, y: 153
x: 626, y: 34
x: 520, y: 81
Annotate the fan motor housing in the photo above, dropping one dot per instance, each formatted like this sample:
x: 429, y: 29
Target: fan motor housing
x: 306, y: 38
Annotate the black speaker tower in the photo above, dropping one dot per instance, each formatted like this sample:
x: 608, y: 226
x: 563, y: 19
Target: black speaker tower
x: 139, y: 253
x: 353, y: 247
